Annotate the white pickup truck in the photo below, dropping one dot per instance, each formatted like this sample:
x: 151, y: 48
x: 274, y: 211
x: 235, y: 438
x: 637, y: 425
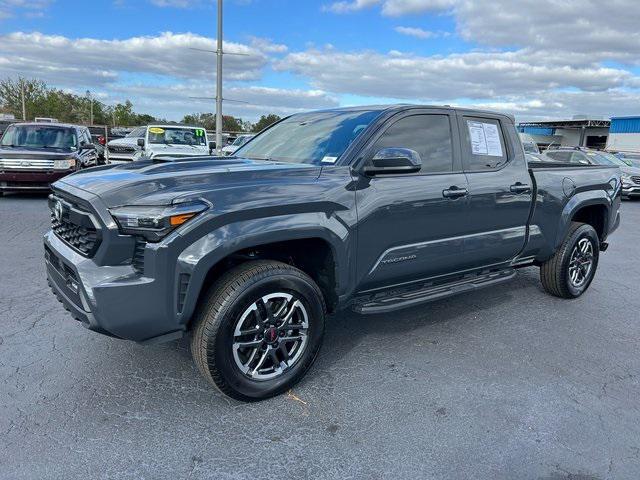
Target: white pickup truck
x: 155, y: 141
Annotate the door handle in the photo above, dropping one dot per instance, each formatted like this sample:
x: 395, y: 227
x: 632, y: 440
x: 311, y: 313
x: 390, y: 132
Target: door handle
x: 455, y: 192
x: 520, y: 188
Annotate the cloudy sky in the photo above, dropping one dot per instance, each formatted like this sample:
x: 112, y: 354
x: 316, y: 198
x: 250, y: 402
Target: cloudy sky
x: 533, y: 58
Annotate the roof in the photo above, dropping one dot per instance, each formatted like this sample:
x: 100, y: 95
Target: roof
x: 576, y: 123
x: 407, y: 106
x: 50, y: 124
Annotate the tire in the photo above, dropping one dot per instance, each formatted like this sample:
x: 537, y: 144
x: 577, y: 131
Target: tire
x: 220, y: 316
x: 556, y: 273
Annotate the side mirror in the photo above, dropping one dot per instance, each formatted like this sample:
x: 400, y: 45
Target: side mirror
x: 141, y: 142
x: 212, y: 147
x: 394, y: 161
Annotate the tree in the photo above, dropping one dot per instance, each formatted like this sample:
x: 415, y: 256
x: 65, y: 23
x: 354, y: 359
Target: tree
x: 42, y: 101
x: 265, y: 121
x: 11, y: 96
x: 208, y: 122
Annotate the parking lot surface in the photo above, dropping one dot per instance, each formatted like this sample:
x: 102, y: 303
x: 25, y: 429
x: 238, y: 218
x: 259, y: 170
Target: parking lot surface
x: 503, y: 383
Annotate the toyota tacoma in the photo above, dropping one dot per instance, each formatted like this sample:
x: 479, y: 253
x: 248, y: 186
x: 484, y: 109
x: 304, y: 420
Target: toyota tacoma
x: 373, y: 209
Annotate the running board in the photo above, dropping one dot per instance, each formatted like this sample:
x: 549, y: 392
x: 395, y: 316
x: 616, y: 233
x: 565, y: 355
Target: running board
x: 387, y: 302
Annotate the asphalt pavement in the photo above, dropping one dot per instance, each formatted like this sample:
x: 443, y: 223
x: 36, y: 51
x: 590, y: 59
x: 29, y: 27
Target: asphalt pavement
x: 504, y: 383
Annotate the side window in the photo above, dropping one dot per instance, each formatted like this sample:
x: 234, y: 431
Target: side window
x: 560, y: 156
x: 429, y: 135
x: 483, y: 144
x: 579, y: 157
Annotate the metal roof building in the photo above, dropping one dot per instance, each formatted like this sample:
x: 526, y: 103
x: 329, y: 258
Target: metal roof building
x: 583, y: 132
x: 624, y: 134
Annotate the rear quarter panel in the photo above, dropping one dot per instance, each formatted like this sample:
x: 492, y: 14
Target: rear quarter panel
x: 560, y: 193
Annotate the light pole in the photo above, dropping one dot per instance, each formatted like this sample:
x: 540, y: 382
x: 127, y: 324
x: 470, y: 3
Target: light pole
x: 219, y: 83
x: 90, y: 108
x: 24, y: 105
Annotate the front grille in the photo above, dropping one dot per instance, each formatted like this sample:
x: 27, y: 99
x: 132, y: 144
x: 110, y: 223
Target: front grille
x: 121, y: 149
x: 636, y: 180
x: 74, y: 226
x: 26, y: 163
x: 138, y: 255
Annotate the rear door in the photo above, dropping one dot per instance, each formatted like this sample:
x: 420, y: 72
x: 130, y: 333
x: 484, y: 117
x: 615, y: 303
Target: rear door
x: 500, y: 189
x: 407, y: 228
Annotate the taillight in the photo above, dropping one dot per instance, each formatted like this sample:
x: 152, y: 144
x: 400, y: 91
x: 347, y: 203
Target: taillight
x: 102, y: 140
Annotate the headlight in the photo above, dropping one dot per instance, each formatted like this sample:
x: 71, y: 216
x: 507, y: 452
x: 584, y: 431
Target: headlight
x: 626, y: 178
x: 155, y: 223
x: 64, y: 164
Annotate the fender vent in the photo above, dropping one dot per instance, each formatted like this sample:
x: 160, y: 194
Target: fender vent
x: 183, y: 286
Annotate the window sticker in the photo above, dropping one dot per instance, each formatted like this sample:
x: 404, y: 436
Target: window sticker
x: 485, y: 139
x: 328, y: 159
x: 199, y: 132
x: 156, y: 130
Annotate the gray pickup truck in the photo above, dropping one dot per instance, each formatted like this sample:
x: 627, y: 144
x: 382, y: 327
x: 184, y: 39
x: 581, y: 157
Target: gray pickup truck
x: 369, y: 208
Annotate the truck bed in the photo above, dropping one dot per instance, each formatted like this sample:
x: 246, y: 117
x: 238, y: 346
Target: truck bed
x: 559, y: 189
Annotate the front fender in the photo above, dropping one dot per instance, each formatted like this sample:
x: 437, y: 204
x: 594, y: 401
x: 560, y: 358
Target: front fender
x: 201, y: 256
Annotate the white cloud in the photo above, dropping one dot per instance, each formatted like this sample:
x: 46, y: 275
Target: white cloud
x: 467, y: 75
x: 176, y: 100
x: 30, y: 8
x: 67, y: 61
x: 416, y: 32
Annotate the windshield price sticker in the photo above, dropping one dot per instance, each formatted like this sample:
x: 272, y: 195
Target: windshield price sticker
x: 485, y: 139
x: 199, y: 132
x: 328, y: 159
x: 156, y: 130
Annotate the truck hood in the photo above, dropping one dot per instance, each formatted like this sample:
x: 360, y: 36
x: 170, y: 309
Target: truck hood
x: 126, y: 141
x: 181, y: 150
x: 148, y: 182
x: 35, y: 153
x: 635, y: 171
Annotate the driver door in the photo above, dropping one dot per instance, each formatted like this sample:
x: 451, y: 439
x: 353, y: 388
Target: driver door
x: 408, y: 228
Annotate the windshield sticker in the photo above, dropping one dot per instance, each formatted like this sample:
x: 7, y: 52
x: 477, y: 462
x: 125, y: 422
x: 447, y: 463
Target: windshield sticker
x: 485, y: 139
x: 329, y: 159
x: 156, y: 130
x: 199, y: 132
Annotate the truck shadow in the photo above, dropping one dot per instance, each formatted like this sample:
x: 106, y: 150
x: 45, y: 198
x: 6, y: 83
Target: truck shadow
x: 346, y: 331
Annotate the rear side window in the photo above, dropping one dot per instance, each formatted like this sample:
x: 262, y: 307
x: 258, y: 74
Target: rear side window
x: 429, y: 135
x: 483, y: 144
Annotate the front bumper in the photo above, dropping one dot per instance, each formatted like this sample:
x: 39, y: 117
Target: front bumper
x: 630, y: 190
x: 30, y: 180
x: 107, y: 292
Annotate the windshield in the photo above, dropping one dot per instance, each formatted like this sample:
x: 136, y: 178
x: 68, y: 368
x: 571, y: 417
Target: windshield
x: 316, y: 138
x: 238, y: 142
x: 177, y: 136
x: 40, y: 136
x: 618, y: 161
x: 603, y: 158
x: 137, y: 133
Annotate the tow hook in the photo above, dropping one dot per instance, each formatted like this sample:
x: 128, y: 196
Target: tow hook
x: 604, y: 246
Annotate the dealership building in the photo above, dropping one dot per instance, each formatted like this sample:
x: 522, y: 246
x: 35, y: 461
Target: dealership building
x: 583, y: 132
x: 624, y: 134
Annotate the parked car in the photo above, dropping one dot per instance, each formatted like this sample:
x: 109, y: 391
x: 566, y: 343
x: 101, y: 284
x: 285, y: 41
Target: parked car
x: 529, y: 144
x: 174, y: 141
x: 229, y: 150
x: 154, y: 141
x: 369, y: 208
x: 34, y: 155
x: 125, y: 149
x: 630, y: 173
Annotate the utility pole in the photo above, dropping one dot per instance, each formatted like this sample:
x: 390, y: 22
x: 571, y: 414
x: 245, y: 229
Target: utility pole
x: 24, y: 105
x: 90, y: 108
x: 219, y: 83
